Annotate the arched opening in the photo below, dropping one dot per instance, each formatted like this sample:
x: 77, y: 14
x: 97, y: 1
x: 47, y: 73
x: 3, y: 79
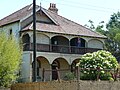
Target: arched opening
x: 73, y: 66
x: 94, y: 43
x: 59, y: 63
x: 25, y: 39
x: 42, y: 63
x: 78, y: 42
x: 42, y: 38
x: 55, y: 65
x: 74, y: 63
x: 77, y: 45
x: 43, y: 42
x: 26, y: 42
x: 60, y: 44
x: 38, y: 67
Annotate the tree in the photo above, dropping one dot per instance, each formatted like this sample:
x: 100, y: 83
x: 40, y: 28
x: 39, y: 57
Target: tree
x: 113, y: 34
x: 92, y: 27
x: 112, y: 43
x: 10, y: 59
x: 99, y: 28
x: 114, y: 21
x: 93, y: 62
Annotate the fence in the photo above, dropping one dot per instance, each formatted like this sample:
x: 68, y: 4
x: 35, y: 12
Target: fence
x: 56, y: 74
x: 1, y: 88
x: 68, y: 85
x: 62, y: 74
x: 74, y: 74
x: 77, y: 84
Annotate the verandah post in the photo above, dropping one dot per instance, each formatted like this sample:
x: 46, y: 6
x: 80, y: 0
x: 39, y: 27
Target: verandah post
x: 43, y: 75
x: 58, y: 74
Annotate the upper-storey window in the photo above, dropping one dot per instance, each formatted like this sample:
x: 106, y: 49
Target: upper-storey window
x: 10, y: 32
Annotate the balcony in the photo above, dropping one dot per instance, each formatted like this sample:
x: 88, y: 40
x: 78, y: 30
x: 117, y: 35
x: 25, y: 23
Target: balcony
x: 59, y: 49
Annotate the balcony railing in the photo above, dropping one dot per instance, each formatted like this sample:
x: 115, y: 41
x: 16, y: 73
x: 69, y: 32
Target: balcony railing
x: 59, y: 48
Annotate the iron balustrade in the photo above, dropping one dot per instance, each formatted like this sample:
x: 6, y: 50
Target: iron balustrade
x: 59, y: 48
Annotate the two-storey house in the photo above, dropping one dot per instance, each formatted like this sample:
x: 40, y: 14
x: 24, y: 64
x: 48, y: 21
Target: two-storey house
x: 60, y: 41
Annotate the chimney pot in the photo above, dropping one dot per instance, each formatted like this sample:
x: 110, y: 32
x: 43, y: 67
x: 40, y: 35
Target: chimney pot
x: 53, y: 8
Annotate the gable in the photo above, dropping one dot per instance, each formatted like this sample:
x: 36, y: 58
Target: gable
x: 43, y: 18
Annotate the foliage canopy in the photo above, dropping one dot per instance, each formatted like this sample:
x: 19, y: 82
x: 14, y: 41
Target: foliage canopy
x: 112, y: 32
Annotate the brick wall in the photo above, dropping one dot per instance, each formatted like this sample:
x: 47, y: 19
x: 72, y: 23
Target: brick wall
x: 68, y: 85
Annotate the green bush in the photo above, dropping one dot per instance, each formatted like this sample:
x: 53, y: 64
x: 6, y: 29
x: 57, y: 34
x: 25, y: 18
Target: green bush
x: 69, y: 76
x: 105, y: 76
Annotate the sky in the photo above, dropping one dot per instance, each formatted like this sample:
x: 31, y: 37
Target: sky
x: 80, y: 11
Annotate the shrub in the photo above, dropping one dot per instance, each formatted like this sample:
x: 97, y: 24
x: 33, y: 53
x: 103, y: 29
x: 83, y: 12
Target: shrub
x: 10, y: 59
x: 69, y: 76
x: 97, y: 60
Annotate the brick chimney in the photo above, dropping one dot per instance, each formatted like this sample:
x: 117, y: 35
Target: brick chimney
x: 53, y: 8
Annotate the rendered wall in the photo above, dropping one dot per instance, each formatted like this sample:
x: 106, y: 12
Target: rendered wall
x: 95, y: 44
x: 26, y: 67
x: 15, y: 30
x: 41, y: 38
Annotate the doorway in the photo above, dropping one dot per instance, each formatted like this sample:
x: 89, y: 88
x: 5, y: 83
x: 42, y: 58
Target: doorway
x: 55, y: 66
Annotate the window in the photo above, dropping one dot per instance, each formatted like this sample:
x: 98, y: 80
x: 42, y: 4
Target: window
x: 55, y: 42
x: 10, y: 31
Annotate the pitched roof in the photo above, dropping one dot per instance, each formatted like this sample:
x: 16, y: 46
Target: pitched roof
x: 63, y: 25
x: 16, y: 16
